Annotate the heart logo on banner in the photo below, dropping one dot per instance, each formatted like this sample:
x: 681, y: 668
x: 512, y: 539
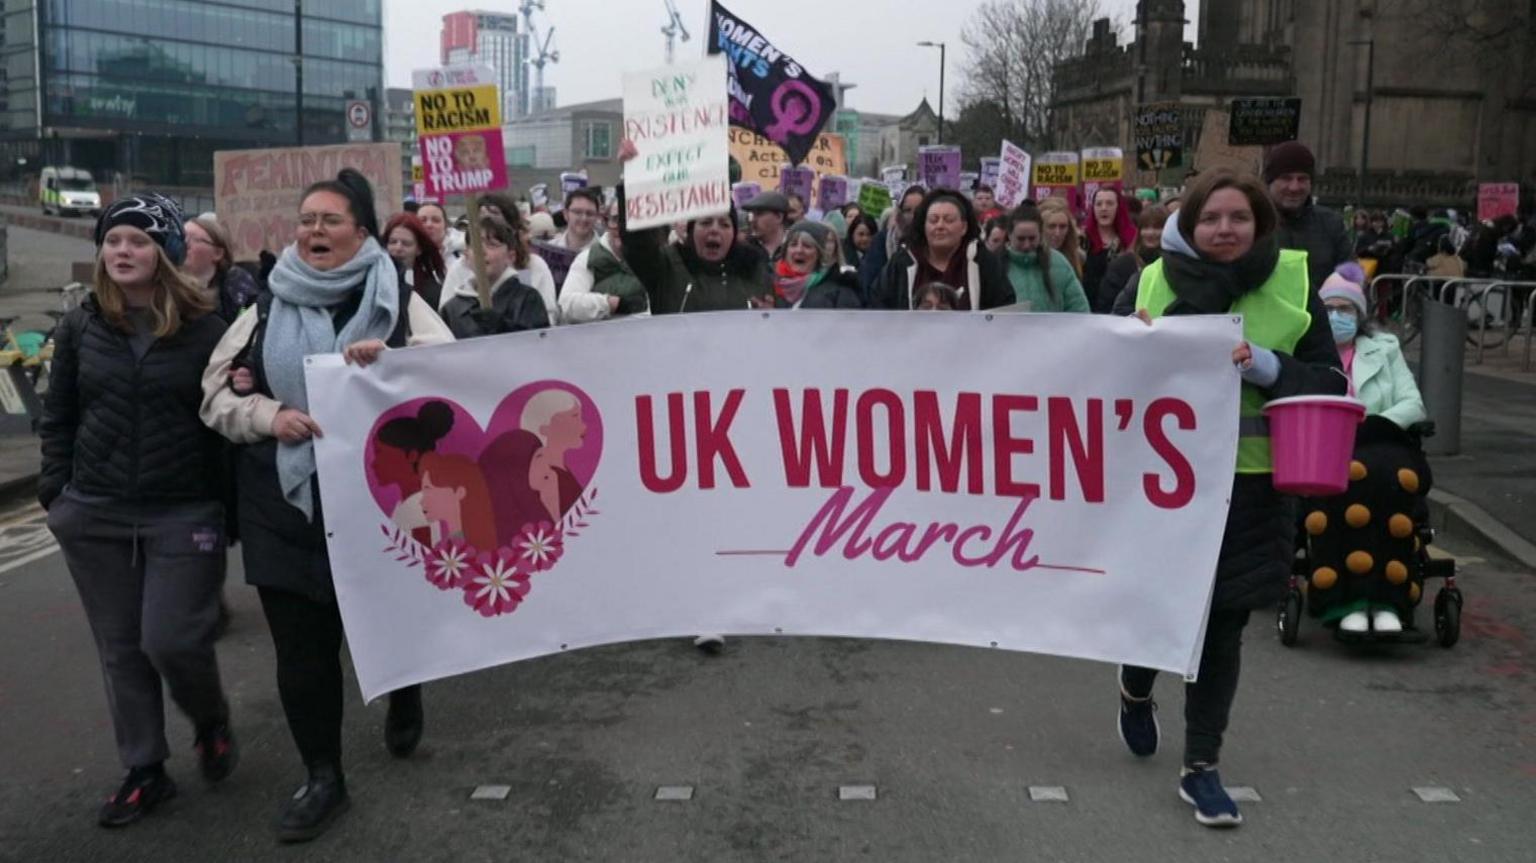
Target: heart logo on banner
x: 483, y: 510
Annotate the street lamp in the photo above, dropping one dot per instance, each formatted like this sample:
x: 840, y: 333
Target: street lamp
x: 940, y: 46
x: 1370, y: 95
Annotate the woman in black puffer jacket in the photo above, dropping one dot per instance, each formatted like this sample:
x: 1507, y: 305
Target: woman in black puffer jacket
x: 131, y: 479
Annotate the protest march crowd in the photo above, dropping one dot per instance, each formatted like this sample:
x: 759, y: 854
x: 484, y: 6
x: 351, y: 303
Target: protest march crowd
x: 177, y: 422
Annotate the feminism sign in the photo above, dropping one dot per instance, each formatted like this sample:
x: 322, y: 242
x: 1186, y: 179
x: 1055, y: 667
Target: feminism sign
x: 770, y: 92
x: 819, y: 484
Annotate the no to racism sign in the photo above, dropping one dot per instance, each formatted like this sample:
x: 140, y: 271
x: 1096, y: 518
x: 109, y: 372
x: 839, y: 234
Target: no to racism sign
x: 677, y: 117
x: 458, y: 125
x: 818, y: 484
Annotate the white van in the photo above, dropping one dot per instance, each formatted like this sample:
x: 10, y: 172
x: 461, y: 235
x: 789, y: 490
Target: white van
x: 68, y: 192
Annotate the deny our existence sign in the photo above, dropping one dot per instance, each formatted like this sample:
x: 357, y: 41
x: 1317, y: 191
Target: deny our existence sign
x: 819, y: 483
x: 678, y: 118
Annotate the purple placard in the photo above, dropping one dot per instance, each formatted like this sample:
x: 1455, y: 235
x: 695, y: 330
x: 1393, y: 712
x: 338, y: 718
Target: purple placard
x: 939, y: 166
x: 797, y: 181
x: 831, y: 193
x: 742, y: 193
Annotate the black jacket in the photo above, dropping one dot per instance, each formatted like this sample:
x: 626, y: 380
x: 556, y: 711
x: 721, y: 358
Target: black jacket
x: 839, y: 290
x: 893, y: 290
x: 678, y: 280
x: 1117, y: 276
x: 128, y: 429
x: 514, y: 307
x: 1320, y: 233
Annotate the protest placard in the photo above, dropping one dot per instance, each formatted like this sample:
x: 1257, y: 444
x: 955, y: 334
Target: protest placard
x: 874, y: 197
x: 458, y: 125
x: 1215, y: 152
x: 938, y: 166
x: 1013, y: 176
x: 760, y: 159
x: 991, y: 166
x: 678, y: 118
x: 1263, y: 121
x: 831, y: 193
x: 799, y: 181
x: 1497, y: 199
x: 743, y: 193
x: 256, y: 192
x: 1103, y: 168
x: 1159, y: 134
x: 1056, y: 176
x: 968, y: 180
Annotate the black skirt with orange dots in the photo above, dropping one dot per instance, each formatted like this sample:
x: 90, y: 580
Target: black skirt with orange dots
x: 1364, y: 543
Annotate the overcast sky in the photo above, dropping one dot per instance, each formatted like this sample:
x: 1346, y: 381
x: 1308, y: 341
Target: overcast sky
x: 871, y: 43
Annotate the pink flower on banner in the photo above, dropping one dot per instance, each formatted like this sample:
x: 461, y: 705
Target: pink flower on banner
x: 449, y: 564
x: 538, y: 547
x: 495, y: 586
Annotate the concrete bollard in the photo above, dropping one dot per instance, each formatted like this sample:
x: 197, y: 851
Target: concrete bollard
x: 1444, y: 334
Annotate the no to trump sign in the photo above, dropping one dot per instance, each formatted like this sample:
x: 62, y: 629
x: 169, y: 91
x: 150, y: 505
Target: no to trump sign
x: 817, y: 484
x: 458, y: 124
x: 677, y: 116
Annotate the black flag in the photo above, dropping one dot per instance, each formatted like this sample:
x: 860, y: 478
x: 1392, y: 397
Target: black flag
x: 771, y: 94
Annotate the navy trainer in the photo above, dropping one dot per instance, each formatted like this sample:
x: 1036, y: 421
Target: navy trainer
x: 1138, y: 725
x: 1214, y: 807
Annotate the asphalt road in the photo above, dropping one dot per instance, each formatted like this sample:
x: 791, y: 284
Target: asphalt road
x: 1332, y: 739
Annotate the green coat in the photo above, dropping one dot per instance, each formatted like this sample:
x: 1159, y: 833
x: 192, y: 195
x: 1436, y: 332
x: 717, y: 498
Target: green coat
x: 1383, y: 381
x: 1029, y: 286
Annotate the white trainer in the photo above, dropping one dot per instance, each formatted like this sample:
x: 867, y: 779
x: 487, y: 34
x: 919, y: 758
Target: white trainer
x: 1355, y: 621
x: 1386, y: 620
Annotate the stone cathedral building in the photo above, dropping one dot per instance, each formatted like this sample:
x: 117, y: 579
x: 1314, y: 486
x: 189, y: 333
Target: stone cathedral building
x: 1452, y: 89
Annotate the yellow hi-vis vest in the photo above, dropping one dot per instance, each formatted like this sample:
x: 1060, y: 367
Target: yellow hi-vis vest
x: 1275, y: 316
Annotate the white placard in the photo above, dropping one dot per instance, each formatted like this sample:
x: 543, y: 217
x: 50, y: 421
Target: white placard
x: 678, y: 118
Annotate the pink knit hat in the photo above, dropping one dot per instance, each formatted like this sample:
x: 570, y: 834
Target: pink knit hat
x: 1337, y: 286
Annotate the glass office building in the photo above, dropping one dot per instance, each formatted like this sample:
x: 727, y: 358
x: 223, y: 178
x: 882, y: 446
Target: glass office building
x: 149, y: 89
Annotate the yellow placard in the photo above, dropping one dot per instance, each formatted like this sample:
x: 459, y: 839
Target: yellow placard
x: 1103, y: 170
x: 460, y: 109
x: 760, y: 158
x: 1048, y: 174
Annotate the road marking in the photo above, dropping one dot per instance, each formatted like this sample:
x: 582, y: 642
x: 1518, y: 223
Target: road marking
x: 675, y: 792
x: 856, y: 792
x: 1436, y: 794
x: 1048, y: 794
x: 25, y: 538
x: 1244, y: 794
x: 490, y: 792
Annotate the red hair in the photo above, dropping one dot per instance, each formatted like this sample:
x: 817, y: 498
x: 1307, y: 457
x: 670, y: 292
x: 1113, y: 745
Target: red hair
x: 1125, y: 225
x: 456, y: 471
x: 429, y: 258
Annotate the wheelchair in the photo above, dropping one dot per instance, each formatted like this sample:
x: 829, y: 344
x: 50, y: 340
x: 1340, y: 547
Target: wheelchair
x: 1421, y: 567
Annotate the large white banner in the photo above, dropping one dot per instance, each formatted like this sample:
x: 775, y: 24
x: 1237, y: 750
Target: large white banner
x: 678, y: 118
x: 1049, y: 483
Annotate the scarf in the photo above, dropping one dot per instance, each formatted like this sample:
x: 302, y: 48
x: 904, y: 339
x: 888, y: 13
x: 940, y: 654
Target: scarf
x: 300, y: 323
x: 1206, y: 287
x: 791, y: 286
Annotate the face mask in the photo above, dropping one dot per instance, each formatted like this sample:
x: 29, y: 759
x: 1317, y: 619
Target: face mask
x: 1344, y: 327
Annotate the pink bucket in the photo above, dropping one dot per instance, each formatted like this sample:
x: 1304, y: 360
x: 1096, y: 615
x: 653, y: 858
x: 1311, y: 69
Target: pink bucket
x: 1312, y: 439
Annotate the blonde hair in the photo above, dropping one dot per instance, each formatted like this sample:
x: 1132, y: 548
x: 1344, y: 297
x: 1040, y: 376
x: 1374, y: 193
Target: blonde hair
x: 178, y: 297
x: 219, y: 235
x: 1071, y: 248
x: 543, y: 407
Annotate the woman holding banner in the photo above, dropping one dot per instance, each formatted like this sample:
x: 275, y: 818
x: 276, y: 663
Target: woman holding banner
x: 334, y: 289
x: 943, y: 244
x: 1221, y: 256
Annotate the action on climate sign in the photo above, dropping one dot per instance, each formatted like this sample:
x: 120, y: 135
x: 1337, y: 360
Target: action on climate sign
x: 677, y: 118
x: 818, y: 484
